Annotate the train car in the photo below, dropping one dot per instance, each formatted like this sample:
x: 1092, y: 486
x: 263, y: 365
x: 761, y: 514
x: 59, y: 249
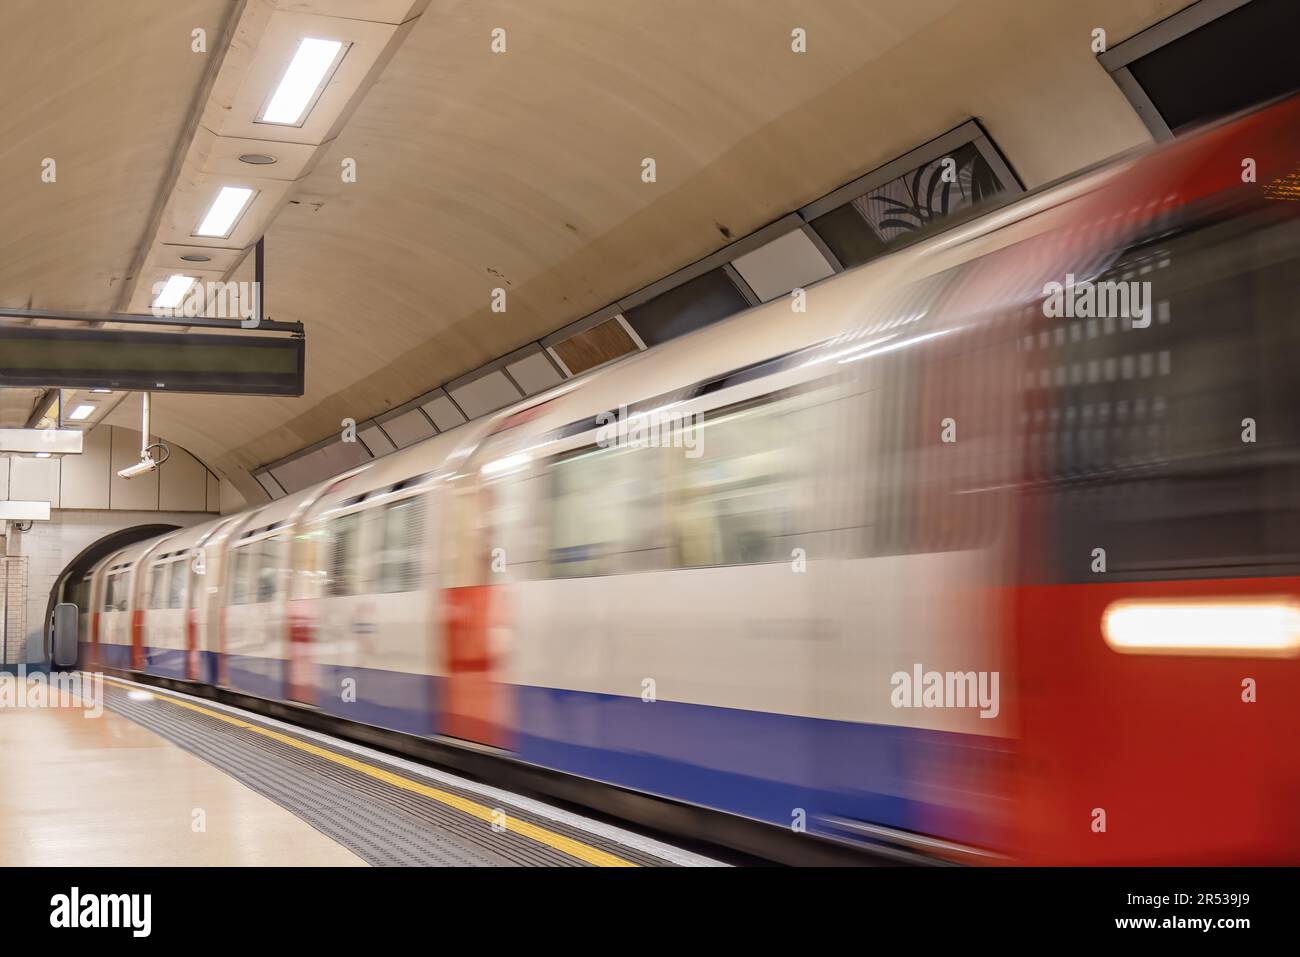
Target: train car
x: 365, y: 607
x: 120, y: 597
x: 169, y: 628
x: 990, y: 553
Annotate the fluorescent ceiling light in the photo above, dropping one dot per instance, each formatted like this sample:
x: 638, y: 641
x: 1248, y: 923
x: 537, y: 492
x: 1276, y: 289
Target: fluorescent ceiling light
x: 42, y: 455
x: 225, y: 209
x: 301, y: 82
x: 1227, y: 626
x: 173, y: 291
x: 81, y: 412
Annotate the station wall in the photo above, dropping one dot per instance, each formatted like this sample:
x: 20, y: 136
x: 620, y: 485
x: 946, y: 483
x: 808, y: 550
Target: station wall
x: 87, y: 502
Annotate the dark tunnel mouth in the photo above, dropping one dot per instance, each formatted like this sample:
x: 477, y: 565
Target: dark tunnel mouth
x: 86, y: 560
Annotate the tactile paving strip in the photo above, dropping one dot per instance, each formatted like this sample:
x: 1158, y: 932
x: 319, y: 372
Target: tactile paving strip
x: 381, y: 823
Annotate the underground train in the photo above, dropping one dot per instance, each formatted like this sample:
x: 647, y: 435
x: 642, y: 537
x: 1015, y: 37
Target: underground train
x: 992, y: 549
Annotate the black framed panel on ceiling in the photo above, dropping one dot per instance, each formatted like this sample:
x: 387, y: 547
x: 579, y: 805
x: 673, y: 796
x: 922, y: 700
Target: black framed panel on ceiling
x: 151, y: 361
x: 1210, y: 60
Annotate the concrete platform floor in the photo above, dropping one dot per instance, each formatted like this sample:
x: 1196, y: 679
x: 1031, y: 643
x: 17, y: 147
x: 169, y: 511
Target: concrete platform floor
x: 100, y: 791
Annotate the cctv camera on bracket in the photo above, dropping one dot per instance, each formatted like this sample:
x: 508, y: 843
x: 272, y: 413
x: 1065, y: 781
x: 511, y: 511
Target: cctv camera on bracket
x: 146, y: 465
x: 147, y: 462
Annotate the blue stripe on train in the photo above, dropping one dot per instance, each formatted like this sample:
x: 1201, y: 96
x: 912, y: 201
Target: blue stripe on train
x: 753, y: 763
x: 110, y: 656
x: 168, y: 662
x: 385, y: 699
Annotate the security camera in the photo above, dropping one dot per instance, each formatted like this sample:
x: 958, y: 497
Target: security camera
x: 143, y: 467
x: 147, y: 462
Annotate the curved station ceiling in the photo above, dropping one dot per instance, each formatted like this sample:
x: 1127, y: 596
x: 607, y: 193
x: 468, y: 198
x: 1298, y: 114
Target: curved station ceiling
x: 463, y: 146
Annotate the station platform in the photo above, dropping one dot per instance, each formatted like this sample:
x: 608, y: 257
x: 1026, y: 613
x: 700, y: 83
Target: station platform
x: 157, y: 777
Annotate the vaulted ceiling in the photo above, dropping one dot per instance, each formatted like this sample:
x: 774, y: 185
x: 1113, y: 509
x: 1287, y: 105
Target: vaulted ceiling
x: 520, y: 169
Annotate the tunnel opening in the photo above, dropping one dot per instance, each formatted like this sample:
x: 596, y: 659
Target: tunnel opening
x: 72, y: 585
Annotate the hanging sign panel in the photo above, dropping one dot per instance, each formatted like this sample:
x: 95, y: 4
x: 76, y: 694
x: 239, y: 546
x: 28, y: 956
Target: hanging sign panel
x: 151, y: 361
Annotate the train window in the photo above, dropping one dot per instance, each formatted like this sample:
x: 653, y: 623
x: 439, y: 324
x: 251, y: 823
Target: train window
x: 345, y: 556
x: 584, y: 527
x: 115, y: 593
x: 244, y: 580
x: 734, y: 503
x: 605, y: 509
x: 176, y: 584
x: 307, y: 557
x: 939, y: 453
x: 399, y: 556
x: 516, y: 523
x: 158, y: 586
x: 274, y: 567
x: 1171, y: 442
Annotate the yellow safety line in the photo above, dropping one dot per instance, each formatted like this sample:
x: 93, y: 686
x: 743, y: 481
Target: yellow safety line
x: 569, y: 846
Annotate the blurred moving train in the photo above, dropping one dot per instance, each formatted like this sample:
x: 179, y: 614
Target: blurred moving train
x: 1050, y: 454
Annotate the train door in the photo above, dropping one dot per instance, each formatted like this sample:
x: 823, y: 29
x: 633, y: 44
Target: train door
x: 97, y: 602
x: 139, y: 601
x: 476, y: 704
x: 400, y: 594
x: 325, y: 607
x: 142, y: 594
x: 193, y: 589
x: 302, y: 612
x: 212, y: 566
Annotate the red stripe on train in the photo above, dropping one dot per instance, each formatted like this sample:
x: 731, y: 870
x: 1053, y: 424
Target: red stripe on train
x: 302, y: 632
x: 192, y: 644
x: 137, y: 639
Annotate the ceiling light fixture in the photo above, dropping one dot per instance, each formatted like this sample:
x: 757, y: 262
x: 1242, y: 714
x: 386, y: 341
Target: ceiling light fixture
x: 196, y: 258
x: 302, y: 82
x: 81, y: 412
x: 173, y: 291
x: 257, y: 159
x: 224, y: 211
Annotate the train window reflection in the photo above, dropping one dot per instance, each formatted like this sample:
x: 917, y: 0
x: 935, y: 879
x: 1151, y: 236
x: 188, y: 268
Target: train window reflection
x: 399, y: 559
x: 344, y: 565
x: 733, y: 504
x: 244, y: 583
x: 115, y: 593
x: 586, y: 520
x: 176, y: 585
x: 158, y: 586
x: 275, y: 565
x: 1147, y: 449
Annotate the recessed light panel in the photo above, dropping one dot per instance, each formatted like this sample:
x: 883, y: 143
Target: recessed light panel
x: 81, y: 412
x: 302, y: 82
x: 173, y: 291
x: 225, y: 211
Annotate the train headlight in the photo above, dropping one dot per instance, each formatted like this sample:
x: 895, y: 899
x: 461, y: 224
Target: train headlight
x: 1252, y: 627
